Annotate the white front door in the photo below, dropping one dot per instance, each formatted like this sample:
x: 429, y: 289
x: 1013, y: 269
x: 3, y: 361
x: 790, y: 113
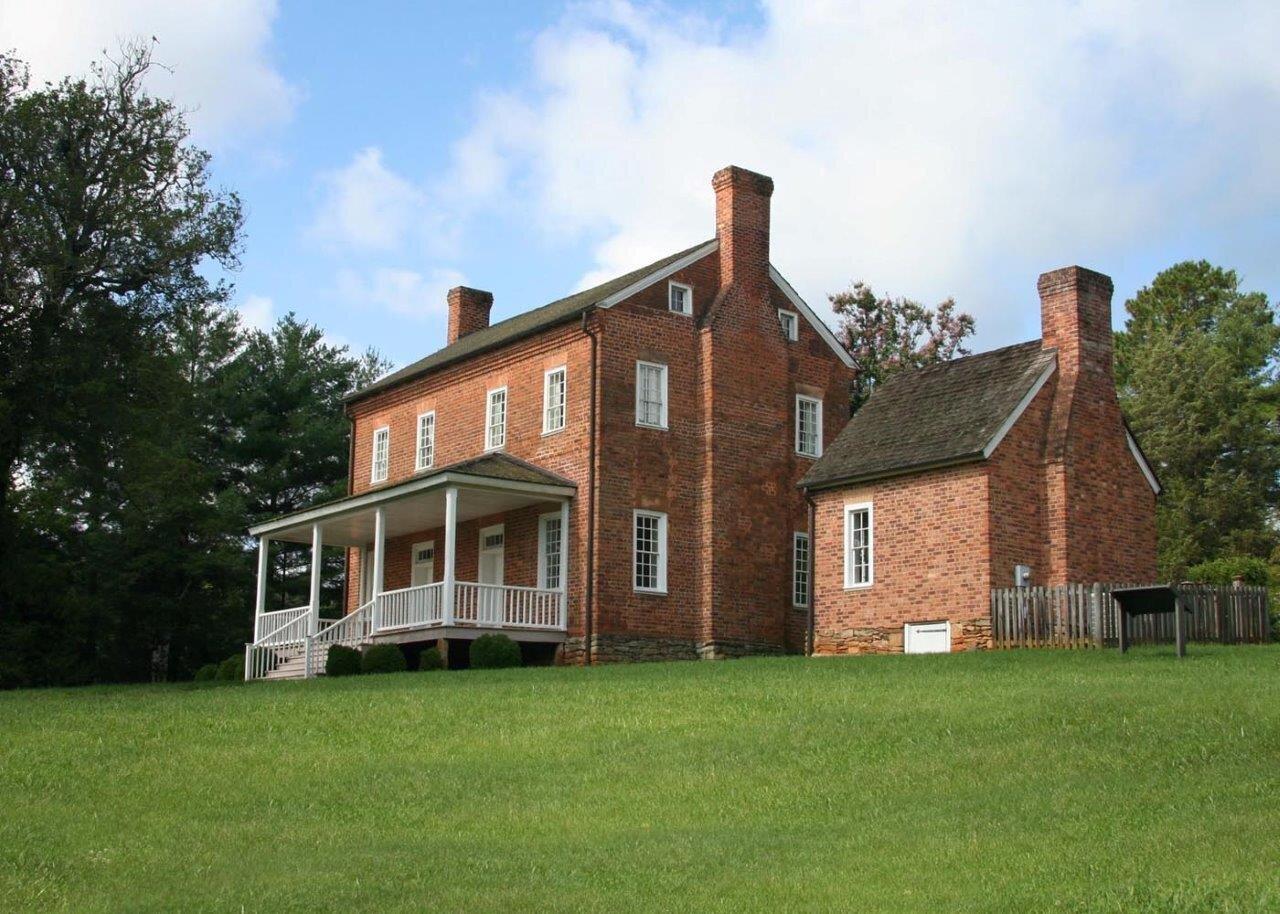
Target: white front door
x: 492, y: 550
x: 424, y: 564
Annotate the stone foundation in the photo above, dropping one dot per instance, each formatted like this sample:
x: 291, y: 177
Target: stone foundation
x: 966, y: 635
x: 643, y: 649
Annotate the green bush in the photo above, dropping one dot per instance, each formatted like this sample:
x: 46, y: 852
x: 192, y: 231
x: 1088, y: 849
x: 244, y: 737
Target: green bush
x: 492, y: 652
x: 232, y: 669
x: 207, y: 672
x: 342, y: 661
x: 1225, y: 570
x: 382, y: 658
x: 430, y: 659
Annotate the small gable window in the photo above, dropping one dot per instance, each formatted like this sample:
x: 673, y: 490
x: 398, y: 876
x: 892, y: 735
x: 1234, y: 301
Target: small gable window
x: 680, y: 298
x: 790, y: 322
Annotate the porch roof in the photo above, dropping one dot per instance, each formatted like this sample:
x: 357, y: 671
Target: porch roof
x: 488, y: 485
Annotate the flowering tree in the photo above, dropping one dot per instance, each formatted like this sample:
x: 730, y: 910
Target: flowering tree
x: 886, y: 335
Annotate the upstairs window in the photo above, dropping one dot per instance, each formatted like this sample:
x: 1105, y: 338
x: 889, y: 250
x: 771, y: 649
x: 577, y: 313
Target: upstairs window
x: 495, y: 435
x: 381, y: 454
x: 790, y: 322
x: 651, y: 395
x: 426, y: 441
x: 808, y: 426
x: 858, y: 546
x: 680, y: 298
x: 800, y: 570
x: 651, y: 552
x: 553, y: 400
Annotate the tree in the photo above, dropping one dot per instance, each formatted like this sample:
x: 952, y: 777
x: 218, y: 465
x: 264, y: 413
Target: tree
x: 886, y: 335
x: 1196, y: 370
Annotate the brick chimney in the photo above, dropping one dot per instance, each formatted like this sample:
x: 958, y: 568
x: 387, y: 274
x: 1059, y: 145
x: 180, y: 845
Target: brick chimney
x: 742, y: 227
x: 468, y: 311
x: 1075, y: 319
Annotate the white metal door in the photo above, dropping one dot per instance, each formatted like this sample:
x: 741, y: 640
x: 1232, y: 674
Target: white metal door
x: 424, y: 564
x: 492, y: 561
x: 926, y: 637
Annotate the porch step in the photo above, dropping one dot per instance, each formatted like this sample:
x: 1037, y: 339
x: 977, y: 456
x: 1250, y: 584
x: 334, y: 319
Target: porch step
x: 292, y: 662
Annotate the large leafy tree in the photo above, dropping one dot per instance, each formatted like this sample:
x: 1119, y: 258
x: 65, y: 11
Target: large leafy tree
x: 1196, y: 367
x: 886, y: 335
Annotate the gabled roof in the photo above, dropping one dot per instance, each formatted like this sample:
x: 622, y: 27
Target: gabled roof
x: 522, y: 325
x: 942, y: 414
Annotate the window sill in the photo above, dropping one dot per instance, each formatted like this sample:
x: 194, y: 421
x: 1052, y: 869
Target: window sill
x: 647, y: 592
x: 547, y: 433
x: 866, y: 586
x: 656, y: 428
x: 424, y: 469
x: 808, y: 456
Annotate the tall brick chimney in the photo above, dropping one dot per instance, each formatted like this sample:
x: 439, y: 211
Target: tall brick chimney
x: 1075, y: 319
x: 468, y: 311
x: 742, y: 227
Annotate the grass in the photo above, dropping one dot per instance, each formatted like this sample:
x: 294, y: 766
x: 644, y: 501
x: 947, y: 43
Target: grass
x: 1012, y: 781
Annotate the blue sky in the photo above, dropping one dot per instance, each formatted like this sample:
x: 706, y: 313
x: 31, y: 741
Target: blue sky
x: 386, y: 151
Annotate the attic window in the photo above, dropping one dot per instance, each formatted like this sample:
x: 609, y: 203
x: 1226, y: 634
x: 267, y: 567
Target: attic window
x: 680, y: 298
x: 790, y: 322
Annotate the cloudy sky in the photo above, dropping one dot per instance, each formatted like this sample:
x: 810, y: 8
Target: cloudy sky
x: 387, y: 151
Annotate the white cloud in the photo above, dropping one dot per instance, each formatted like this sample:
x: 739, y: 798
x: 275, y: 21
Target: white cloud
x: 927, y: 151
x: 258, y: 312
x: 218, y: 52
x: 404, y: 292
x: 367, y: 205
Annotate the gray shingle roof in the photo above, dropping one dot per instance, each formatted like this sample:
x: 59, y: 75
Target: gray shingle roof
x: 514, y: 328
x: 941, y: 414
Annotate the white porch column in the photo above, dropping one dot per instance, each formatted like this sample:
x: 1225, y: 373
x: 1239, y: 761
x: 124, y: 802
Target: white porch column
x: 450, y: 548
x: 564, y: 563
x: 317, y: 563
x: 379, y: 562
x: 260, y: 598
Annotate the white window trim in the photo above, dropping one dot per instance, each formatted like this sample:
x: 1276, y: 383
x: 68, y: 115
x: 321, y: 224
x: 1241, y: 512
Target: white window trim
x: 688, y: 297
x: 792, y: 335
x: 542, y: 550
x: 796, y: 538
x: 546, y: 401
x: 818, y: 437
x: 488, y: 418
x: 417, y: 454
x: 849, y: 509
x: 662, y: 551
x: 664, y: 373
x: 383, y: 431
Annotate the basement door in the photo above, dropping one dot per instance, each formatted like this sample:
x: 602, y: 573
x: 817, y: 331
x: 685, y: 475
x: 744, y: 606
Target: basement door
x: 926, y: 637
x: 492, y: 561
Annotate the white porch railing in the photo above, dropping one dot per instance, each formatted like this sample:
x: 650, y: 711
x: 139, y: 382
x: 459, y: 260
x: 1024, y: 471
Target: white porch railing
x: 278, y: 645
x: 351, y: 630
x: 507, y: 606
x: 411, y: 606
x: 269, y: 624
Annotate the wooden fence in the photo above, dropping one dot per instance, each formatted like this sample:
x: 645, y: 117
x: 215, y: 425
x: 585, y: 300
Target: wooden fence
x: 1084, y: 615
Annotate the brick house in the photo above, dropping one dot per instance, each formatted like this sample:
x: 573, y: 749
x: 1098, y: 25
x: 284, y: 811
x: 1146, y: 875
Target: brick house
x: 1010, y: 467
x: 659, y: 468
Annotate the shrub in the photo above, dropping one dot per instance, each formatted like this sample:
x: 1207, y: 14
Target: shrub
x: 342, y: 661
x: 430, y: 659
x: 232, y: 669
x: 207, y: 672
x: 492, y: 652
x: 1225, y: 570
x: 382, y: 658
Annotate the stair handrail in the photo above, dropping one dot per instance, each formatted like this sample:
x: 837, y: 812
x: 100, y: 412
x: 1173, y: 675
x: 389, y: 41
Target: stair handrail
x: 265, y: 641
x: 330, y: 635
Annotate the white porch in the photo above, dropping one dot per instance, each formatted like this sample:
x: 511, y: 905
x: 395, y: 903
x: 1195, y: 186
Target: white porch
x: 294, y: 642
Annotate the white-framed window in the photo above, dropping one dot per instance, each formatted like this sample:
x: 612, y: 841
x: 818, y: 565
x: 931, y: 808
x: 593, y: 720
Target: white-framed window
x: 680, y: 298
x: 790, y: 322
x: 650, y: 552
x: 554, y: 386
x: 550, y: 551
x: 426, y: 440
x: 800, y: 569
x: 808, y: 426
x: 381, y: 454
x: 859, y: 545
x: 651, y: 395
x: 495, y: 419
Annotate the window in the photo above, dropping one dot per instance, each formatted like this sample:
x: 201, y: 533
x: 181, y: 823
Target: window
x: 426, y: 440
x: 381, y: 449
x: 800, y: 570
x: 680, y: 298
x: 553, y: 398
x: 496, y: 419
x: 651, y: 395
x: 651, y: 552
x: 808, y: 426
x: 550, y: 549
x: 858, y: 546
x: 790, y: 322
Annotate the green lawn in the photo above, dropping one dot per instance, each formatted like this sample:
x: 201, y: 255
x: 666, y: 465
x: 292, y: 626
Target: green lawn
x: 1018, y: 781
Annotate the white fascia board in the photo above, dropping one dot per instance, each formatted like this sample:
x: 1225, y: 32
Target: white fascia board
x: 816, y: 322
x: 1019, y: 409
x: 1142, y: 462
x: 658, y: 275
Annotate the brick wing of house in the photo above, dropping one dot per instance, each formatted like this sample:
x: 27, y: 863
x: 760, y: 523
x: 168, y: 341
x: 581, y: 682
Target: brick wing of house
x: 612, y: 476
